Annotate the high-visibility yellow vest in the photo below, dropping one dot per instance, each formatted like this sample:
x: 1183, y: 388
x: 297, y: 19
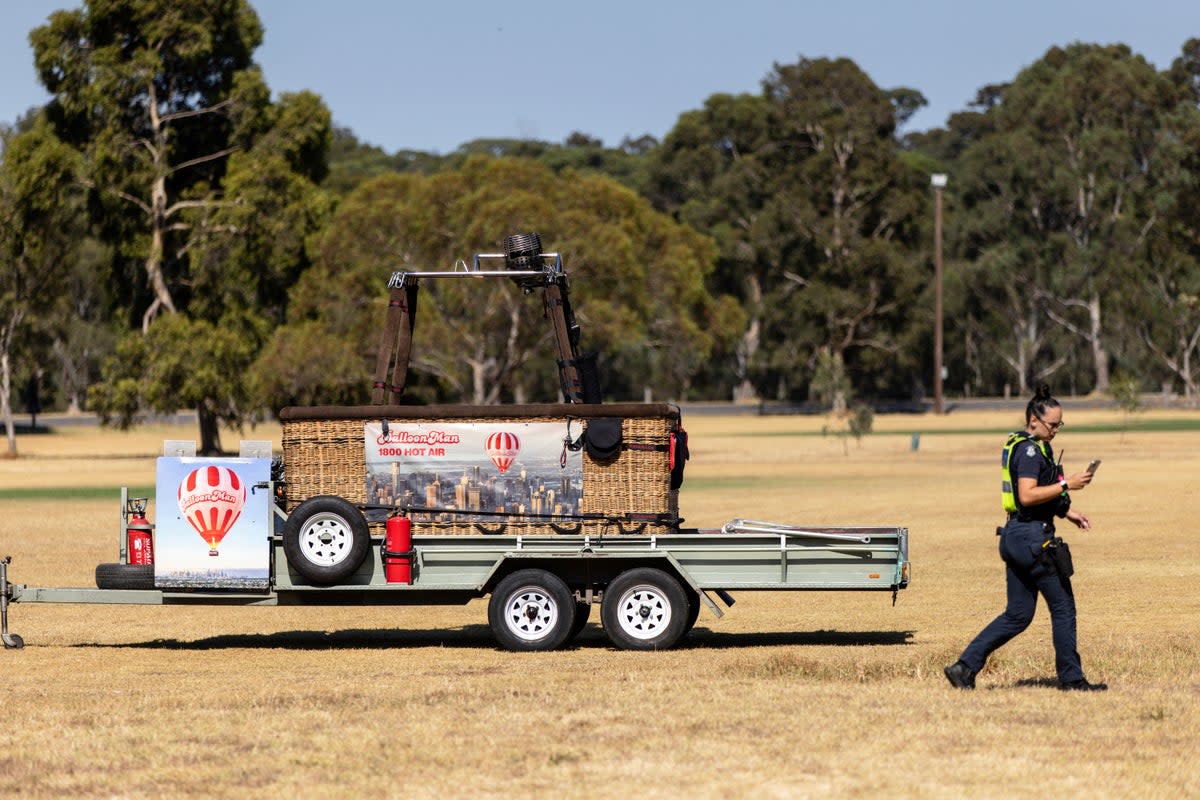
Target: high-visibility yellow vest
x: 1008, y: 492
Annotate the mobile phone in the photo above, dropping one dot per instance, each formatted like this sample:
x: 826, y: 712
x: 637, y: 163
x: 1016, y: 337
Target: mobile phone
x: 1092, y: 466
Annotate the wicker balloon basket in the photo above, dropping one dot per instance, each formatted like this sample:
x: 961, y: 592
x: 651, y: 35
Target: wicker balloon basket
x: 631, y: 492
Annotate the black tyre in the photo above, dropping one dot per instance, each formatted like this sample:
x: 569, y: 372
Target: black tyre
x: 125, y: 576
x: 326, y: 539
x: 644, y: 609
x: 13, y: 642
x: 531, y: 609
x: 583, y: 612
x: 693, y: 613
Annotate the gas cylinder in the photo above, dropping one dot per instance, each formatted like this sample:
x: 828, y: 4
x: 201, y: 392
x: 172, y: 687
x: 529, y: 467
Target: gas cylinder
x: 139, y: 533
x: 397, y: 550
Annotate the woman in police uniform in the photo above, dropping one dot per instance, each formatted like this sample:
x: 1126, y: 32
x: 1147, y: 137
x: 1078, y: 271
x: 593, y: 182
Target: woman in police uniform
x: 1035, y: 494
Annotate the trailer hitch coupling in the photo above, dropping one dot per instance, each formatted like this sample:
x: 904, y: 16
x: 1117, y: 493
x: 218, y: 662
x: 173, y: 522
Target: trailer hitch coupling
x: 11, y: 640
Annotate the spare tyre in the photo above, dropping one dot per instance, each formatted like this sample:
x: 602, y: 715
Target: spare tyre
x: 326, y: 539
x: 125, y: 576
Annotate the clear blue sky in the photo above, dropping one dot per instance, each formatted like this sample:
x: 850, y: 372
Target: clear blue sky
x: 431, y: 75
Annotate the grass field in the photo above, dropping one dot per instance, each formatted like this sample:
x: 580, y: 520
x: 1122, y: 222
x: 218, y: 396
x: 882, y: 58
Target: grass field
x: 789, y: 695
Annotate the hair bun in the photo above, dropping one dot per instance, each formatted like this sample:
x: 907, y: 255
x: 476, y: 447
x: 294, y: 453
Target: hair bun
x: 1043, y: 392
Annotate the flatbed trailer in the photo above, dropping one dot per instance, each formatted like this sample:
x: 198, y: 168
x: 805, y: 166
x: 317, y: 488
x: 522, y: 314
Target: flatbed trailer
x: 650, y: 588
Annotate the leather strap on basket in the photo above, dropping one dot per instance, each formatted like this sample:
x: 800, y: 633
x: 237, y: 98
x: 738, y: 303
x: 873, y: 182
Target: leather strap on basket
x: 396, y: 345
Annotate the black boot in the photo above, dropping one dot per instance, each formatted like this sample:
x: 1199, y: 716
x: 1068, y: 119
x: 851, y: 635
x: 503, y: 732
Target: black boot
x: 960, y: 675
x: 1082, y: 685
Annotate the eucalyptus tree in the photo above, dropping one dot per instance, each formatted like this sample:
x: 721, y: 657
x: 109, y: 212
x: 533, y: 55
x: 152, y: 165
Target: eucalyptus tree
x: 713, y: 172
x: 1057, y: 197
x: 41, y: 223
x: 816, y: 217
x: 153, y: 93
x: 1163, y: 299
x: 205, y: 189
x: 847, y: 213
x: 242, y: 259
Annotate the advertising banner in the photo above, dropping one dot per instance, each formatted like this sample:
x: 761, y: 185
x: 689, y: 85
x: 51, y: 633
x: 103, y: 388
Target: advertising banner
x: 211, y: 524
x: 504, y: 466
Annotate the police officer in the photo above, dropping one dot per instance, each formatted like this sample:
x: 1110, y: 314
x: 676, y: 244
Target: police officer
x: 1035, y: 493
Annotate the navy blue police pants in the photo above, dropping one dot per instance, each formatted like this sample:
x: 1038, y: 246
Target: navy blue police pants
x: 1026, y: 579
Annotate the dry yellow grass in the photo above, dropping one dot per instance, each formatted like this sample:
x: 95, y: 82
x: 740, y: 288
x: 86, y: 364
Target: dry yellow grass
x: 790, y: 695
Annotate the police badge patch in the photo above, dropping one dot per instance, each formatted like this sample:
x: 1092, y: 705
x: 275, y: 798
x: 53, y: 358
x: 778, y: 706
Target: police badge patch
x: 1030, y: 450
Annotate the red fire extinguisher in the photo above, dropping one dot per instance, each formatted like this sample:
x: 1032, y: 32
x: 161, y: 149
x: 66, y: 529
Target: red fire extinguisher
x: 397, y: 550
x: 139, y: 533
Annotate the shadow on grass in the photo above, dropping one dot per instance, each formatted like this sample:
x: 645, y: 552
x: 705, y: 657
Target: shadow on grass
x: 24, y: 429
x: 480, y: 636
x: 468, y: 637
x: 1050, y: 683
x: 705, y: 637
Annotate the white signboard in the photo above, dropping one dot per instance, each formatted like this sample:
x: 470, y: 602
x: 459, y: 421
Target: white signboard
x: 211, y: 524
x: 509, y: 466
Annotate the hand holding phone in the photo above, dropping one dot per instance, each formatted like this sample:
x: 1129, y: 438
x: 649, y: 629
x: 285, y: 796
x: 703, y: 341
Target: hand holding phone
x: 1091, y: 468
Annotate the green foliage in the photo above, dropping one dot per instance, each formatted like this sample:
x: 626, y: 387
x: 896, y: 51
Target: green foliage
x: 815, y: 217
x: 179, y: 363
x: 352, y: 162
x: 1126, y: 393
x: 638, y: 283
x: 40, y: 230
x: 830, y: 385
x: 1058, y: 186
x: 153, y: 94
x: 205, y: 190
x: 862, y: 421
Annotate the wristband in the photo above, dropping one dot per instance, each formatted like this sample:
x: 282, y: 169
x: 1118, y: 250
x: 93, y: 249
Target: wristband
x: 1062, y: 482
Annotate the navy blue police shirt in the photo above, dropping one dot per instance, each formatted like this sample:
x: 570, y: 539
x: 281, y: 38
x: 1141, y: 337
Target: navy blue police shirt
x: 1027, y: 461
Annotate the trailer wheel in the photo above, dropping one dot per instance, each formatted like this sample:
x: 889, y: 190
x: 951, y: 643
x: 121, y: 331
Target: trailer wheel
x: 125, y: 576
x: 693, y: 613
x: 531, y: 609
x: 583, y: 611
x: 326, y: 539
x: 644, y: 609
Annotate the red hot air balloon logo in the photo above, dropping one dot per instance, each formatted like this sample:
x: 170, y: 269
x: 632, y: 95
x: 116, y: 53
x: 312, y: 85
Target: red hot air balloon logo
x: 211, y: 499
x: 503, y: 447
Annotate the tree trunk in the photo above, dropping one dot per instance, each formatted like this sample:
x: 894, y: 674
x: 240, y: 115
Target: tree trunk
x: 744, y: 391
x: 1099, y: 352
x: 154, y: 260
x: 5, y: 405
x: 7, y: 334
x: 478, y: 367
x: 210, y: 434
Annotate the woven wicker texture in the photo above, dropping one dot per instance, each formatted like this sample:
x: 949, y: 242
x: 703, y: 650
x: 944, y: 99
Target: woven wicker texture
x: 637, y: 481
x: 326, y: 457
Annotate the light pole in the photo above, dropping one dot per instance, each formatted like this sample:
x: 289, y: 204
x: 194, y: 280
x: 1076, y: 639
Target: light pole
x: 938, y: 181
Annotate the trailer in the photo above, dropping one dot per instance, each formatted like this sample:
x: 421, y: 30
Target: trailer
x: 650, y: 588
x: 545, y: 509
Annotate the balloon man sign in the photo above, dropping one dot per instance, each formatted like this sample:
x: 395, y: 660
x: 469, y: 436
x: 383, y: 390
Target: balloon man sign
x: 471, y: 471
x: 214, y: 524
x: 211, y: 499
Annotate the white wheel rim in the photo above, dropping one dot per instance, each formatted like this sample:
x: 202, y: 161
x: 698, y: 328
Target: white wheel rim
x: 326, y: 539
x: 643, y: 612
x: 530, y: 613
